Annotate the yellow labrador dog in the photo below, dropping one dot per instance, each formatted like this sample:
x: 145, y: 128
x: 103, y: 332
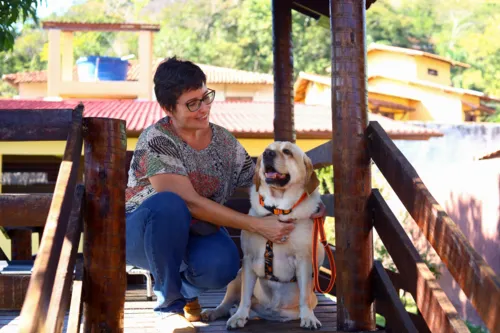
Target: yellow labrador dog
x: 276, y: 280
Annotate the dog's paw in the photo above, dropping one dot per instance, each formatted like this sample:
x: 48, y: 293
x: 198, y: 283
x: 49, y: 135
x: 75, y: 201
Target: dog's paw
x: 238, y: 320
x: 212, y: 314
x: 309, y: 321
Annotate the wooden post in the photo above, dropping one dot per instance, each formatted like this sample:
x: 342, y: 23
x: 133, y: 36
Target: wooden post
x: 284, y: 129
x: 351, y: 163
x: 20, y: 244
x: 104, y: 226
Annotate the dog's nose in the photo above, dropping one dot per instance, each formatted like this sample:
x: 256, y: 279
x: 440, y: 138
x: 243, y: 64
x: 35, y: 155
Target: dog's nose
x: 269, y: 153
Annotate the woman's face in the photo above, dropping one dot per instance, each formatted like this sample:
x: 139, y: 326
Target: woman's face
x: 193, y: 109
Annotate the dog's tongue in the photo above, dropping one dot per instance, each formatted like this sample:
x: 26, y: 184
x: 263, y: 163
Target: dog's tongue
x: 274, y: 175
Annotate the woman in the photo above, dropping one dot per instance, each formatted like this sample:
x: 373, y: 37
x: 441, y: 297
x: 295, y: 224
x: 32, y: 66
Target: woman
x: 183, y: 170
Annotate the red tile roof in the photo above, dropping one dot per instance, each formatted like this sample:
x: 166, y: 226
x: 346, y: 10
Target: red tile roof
x: 214, y: 75
x: 243, y: 119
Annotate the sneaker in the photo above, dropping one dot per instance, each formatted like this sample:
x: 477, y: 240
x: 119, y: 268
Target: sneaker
x: 192, y: 310
x: 174, y: 323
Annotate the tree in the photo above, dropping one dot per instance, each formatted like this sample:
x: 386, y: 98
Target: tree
x: 238, y: 34
x: 11, y: 13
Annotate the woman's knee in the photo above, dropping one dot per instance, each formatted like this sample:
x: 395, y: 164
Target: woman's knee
x: 220, y: 269
x: 168, y: 206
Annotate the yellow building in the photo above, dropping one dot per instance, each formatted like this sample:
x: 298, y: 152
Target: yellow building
x: 405, y: 84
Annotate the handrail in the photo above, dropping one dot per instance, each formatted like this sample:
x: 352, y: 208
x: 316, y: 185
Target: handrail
x: 35, y: 308
x: 24, y: 210
x: 432, y: 302
x: 35, y: 125
x: 59, y: 301
x: 476, y: 278
x: 387, y: 302
x: 76, y: 304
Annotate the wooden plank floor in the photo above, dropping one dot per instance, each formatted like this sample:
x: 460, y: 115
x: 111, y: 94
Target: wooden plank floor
x: 139, y: 316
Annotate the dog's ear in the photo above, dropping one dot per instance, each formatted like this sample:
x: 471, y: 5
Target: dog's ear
x: 312, y: 181
x: 256, y: 175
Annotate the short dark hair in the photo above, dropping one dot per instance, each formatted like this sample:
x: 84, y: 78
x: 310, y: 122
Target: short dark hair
x: 173, y: 77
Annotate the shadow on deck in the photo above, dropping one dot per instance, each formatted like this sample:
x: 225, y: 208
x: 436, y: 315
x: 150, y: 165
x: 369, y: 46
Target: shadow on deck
x: 139, y: 316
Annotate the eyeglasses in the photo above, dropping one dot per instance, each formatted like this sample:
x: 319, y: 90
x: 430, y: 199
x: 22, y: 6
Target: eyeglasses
x: 195, y: 104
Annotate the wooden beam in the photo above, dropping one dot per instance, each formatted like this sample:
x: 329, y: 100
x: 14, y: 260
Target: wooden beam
x: 284, y: 129
x: 76, y: 305
x: 388, y: 303
x: 328, y: 201
x: 476, y: 278
x: 20, y: 244
x: 400, y: 282
x: 35, y: 307
x: 317, y: 8
x: 352, y: 177
x: 59, y: 301
x: 83, y: 26
x: 321, y: 156
x: 104, y: 231
x: 13, y: 291
x: 35, y: 125
x: 24, y: 210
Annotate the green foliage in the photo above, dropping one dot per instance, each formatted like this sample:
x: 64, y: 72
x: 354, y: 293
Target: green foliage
x: 238, y: 34
x: 409, y: 24
x: 13, y: 12
x: 325, y: 177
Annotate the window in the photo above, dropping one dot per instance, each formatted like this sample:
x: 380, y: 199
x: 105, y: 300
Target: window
x: 470, y: 116
x: 432, y: 72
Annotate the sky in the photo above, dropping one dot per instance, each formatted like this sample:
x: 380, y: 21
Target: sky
x: 49, y: 6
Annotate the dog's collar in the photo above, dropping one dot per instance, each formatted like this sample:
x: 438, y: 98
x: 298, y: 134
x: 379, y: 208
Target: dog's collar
x: 278, y: 211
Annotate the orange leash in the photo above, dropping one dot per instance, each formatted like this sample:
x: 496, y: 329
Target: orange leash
x: 319, y: 230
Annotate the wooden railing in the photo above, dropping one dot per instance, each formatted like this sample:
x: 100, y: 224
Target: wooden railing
x: 56, y: 283
x: 476, y: 278
x: 435, y: 311
x: 50, y: 260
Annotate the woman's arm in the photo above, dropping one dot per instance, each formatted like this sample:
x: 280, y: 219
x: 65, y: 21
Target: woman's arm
x: 208, y: 210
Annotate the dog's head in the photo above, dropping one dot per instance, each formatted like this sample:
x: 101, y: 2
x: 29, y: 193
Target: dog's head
x: 284, y: 164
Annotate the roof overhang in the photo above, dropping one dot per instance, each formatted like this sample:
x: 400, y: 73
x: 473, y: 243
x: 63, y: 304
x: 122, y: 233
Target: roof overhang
x: 378, y: 103
x: 478, y: 107
x: 317, y: 8
x: 82, y: 26
x: 416, y: 53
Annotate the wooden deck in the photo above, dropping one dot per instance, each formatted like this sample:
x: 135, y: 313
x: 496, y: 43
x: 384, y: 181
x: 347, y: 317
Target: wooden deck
x: 139, y: 316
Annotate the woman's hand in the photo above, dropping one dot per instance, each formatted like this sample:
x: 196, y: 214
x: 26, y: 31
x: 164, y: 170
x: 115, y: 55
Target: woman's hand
x: 274, y: 230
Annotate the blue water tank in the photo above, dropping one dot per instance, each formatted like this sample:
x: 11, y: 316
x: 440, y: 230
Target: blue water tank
x: 95, y: 68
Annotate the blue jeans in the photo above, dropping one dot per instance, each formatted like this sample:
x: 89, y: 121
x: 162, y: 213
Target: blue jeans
x: 158, y: 239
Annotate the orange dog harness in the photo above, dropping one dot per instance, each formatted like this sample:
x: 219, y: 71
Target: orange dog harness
x: 318, y: 230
